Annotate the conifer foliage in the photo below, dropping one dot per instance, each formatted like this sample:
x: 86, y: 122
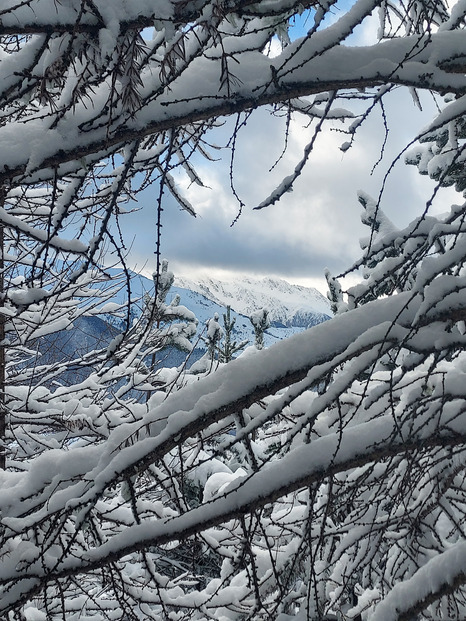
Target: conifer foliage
x: 321, y: 478
x: 229, y: 348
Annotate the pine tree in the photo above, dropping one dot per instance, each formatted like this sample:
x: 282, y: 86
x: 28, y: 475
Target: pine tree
x: 212, y: 338
x: 163, y: 325
x: 260, y: 322
x: 228, y: 348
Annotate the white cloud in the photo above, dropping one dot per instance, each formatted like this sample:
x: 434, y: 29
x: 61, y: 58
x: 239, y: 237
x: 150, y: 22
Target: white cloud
x: 316, y: 225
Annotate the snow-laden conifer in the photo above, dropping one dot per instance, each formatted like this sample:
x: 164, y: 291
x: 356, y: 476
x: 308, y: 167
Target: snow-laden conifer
x: 321, y: 477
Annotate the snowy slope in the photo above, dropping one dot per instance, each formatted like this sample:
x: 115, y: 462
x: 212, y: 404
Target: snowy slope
x: 288, y: 305
x: 292, y: 308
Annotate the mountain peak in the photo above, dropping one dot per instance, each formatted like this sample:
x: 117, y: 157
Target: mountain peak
x: 288, y: 304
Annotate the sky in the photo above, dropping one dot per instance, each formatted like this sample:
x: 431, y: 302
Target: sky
x: 314, y: 227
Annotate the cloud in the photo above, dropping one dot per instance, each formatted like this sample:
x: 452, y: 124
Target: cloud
x: 317, y: 225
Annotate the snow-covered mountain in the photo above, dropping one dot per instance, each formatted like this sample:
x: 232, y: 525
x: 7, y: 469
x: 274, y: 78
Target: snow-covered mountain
x: 292, y: 308
x: 288, y: 305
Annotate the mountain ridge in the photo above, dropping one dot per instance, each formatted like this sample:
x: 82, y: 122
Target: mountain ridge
x: 288, y: 305
x: 288, y: 314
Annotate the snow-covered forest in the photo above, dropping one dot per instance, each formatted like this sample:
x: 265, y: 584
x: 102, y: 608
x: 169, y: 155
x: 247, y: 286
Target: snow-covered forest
x: 320, y: 478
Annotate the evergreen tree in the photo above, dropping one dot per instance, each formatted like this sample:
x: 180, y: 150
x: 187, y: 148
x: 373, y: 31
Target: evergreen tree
x: 163, y: 325
x: 213, y: 334
x: 260, y: 322
x: 245, y: 493
x: 229, y: 347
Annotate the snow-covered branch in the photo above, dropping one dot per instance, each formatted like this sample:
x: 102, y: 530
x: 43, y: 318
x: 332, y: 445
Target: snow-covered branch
x: 323, y: 477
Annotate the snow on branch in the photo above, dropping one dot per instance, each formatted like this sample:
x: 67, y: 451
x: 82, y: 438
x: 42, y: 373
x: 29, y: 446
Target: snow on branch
x: 322, y: 477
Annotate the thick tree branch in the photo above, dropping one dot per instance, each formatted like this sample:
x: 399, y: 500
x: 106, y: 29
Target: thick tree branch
x: 360, y: 445
x: 403, y: 62
x: 20, y: 21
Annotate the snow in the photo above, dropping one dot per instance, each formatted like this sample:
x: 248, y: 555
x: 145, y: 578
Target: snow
x: 296, y: 470
x: 73, y: 245
x: 440, y: 572
x: 286, y: 303
x: 304, y: 66
x: 325, y: 467
x: 199, y: 404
